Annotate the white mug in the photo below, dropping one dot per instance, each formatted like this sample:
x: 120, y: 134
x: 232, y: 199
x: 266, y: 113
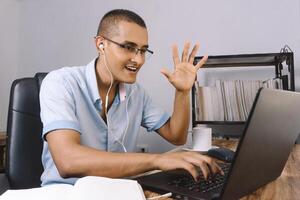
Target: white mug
x: 201, y: 137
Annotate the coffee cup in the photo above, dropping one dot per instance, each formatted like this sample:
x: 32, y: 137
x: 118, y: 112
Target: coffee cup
x: 201, y: 138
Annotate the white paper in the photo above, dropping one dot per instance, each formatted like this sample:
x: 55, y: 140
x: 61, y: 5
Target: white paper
x: 90, y: 187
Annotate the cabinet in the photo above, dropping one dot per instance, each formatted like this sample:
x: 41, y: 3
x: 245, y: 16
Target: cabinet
x: 283, y: 68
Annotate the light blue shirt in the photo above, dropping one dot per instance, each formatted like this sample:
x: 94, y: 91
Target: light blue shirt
x: 69, y: 99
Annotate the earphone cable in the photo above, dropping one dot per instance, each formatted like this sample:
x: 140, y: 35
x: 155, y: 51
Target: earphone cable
x: 106, y: 107
x: 111, y: 83
x: 127, y: 116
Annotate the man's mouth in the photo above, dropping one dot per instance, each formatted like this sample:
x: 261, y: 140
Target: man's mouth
x: 131, y: 68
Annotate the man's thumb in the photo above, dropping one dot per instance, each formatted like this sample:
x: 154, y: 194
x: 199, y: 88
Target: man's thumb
x: 166, y: 72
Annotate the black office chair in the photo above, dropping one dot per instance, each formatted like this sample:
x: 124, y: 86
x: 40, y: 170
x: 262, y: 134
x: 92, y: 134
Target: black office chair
x: 24, y: 144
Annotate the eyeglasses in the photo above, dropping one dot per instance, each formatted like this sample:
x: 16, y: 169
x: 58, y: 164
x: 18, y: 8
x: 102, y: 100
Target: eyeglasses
x: 129, y: 49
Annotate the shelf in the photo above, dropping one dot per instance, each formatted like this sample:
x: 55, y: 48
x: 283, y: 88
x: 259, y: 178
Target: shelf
x: 245, y: 60
x: 278, y: 60
x: 220, y: 122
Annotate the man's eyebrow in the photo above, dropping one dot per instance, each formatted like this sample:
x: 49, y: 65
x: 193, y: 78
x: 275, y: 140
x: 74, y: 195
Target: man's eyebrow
x: 134, y: 44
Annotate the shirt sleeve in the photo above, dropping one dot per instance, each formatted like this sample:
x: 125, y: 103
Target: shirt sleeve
x: 57, y: 104
x: 154, y: 117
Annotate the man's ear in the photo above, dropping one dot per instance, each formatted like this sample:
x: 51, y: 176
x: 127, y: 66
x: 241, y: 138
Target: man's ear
x: 99, y: 41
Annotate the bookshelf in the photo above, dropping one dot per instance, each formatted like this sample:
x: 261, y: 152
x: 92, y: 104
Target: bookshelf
x: 282, y: 62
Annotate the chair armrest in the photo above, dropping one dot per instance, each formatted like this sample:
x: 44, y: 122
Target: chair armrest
x: 4, y: 184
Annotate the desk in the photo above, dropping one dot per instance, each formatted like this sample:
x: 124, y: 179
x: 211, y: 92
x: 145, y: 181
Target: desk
x: 2, y: 150
x: 287, y: 186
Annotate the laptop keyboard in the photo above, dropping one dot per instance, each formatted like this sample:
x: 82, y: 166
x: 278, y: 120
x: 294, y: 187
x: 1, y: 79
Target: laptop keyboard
x: 212, y: 183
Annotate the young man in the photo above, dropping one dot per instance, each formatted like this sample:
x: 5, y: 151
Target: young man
x: 92, y: 114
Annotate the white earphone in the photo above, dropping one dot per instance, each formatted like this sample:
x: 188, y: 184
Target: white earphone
x: 101, y: 46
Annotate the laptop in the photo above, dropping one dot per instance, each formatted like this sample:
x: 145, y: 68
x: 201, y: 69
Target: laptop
x: 269, y: 136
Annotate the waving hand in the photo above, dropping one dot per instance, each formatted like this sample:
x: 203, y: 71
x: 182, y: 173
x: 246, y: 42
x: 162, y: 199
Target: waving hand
x: 184, y: 74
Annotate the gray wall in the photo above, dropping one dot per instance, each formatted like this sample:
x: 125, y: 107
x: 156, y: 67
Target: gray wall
x: 41, y: 35
x: 9, y: 45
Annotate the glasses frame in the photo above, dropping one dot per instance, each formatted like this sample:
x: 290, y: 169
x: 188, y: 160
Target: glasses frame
x: 123, y: 46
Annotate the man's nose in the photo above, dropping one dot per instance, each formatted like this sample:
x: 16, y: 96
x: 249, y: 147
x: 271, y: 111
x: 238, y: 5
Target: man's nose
x: 139, y: 58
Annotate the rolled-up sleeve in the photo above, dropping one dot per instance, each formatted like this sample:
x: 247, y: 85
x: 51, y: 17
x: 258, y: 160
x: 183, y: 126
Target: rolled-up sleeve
x: 57, y: 105
x: 154, y: 117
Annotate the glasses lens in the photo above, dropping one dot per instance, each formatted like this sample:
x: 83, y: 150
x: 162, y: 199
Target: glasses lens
x: 130, y: 50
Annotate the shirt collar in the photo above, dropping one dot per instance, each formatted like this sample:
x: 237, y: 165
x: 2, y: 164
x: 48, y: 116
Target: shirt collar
x: 93, y: 87
x: 91, y: 81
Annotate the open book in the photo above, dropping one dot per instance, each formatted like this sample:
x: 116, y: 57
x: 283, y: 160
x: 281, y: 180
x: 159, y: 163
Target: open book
x: 90, y: 187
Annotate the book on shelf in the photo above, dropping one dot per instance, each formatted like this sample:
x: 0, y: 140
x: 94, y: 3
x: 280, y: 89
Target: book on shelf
x: 229, y: 100
x: 90, y: 187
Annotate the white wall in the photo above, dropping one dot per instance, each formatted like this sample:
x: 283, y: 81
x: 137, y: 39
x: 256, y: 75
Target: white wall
x: 9, y: 45
x: 45, y: 35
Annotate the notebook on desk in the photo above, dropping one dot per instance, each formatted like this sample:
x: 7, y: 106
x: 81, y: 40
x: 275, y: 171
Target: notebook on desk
x: 268, y: 138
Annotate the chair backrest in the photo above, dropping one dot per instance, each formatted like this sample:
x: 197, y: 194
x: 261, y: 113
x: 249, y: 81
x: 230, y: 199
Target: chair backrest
x: 23, y: 165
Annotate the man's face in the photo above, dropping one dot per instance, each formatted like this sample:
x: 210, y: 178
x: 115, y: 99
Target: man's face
x: 123, y: 64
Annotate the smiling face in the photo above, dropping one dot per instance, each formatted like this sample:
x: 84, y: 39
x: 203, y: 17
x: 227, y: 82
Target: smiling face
x: 123, y: 62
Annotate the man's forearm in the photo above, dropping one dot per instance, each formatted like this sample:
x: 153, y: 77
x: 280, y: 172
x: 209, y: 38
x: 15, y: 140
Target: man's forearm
x: 75, y: 160
x: 179, y: 122
x: 91, y: 162
x: 85, y: 161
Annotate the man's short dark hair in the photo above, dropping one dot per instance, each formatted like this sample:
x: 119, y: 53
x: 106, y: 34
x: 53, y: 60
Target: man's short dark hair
x: 109, y: 22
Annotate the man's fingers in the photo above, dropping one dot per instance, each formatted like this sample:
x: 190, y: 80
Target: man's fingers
x: 205, y: 163
x: 166, y: 72
x: 205, y: 170
x: 201, y: 62
x: 193, y: 54
x: 192, y: 170
x: 185, y: 52
x: 215, y: 168
x: 199, y: 161
x: 175, y: 55
x: 219, y: 169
